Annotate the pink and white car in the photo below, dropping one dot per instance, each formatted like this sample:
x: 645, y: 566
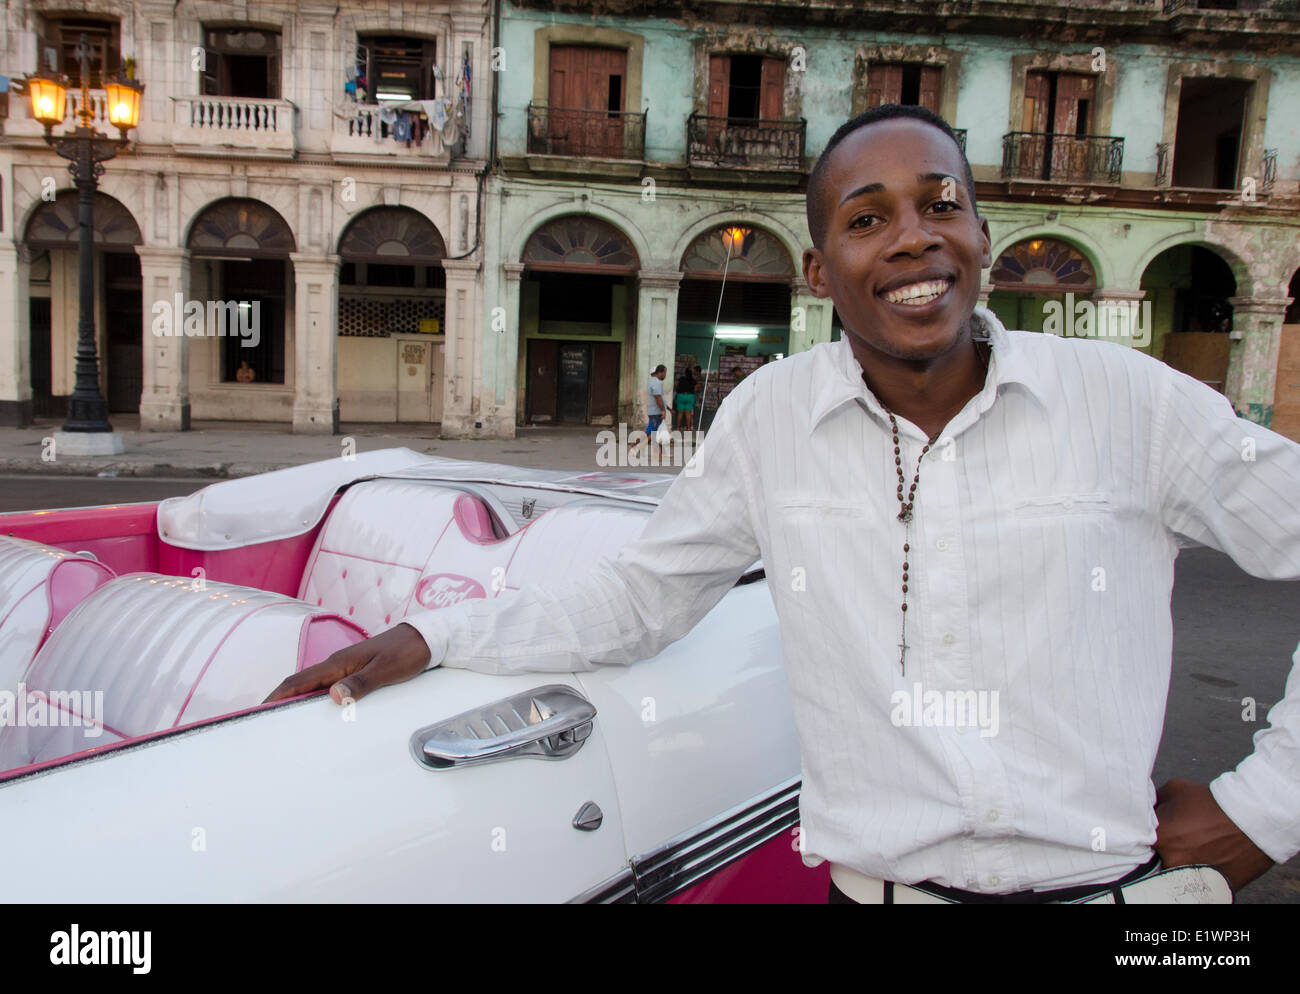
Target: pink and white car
x: 137, y: 762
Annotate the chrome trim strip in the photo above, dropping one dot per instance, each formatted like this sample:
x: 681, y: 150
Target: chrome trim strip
x: 689, y: 858
x: 618, y: 889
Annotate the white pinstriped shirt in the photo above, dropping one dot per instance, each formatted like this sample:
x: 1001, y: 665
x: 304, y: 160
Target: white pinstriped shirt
x: 1047, y: 520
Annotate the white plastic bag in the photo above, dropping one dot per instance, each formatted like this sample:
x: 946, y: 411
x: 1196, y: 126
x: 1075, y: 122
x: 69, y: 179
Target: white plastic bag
x: 664, y: 435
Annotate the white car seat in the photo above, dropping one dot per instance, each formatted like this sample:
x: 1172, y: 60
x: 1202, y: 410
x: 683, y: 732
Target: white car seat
x: 395, y: 547
x: 39, y: 585
x: 390, y: 547
x: 147, y: 652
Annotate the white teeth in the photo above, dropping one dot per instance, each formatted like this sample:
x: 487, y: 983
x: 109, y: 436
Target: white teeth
x: 917, y: 294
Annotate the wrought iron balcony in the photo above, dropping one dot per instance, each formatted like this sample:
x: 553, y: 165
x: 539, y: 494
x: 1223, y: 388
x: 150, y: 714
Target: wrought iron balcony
x: 1062, y: 158
x: 601, y: 134
x: 1270, y: 170
x: 745, y: 143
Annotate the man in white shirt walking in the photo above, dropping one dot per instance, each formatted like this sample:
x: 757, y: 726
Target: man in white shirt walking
x: 974, y: 511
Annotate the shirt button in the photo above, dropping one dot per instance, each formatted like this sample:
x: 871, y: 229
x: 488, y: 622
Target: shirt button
x: 1067, y: 504
x: 961, y: 729
x: 993, y: 816
x: 994, y: 881
x: 949, y: 639
x: 941, y: 545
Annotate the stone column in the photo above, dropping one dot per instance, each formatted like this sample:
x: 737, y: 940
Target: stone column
x: 1252, y: 362
x: 986, y: 291
x: 810, y: 318
x: 165, y: 400
x: 1122, y: 316
x: 656, y: 333
x: 476, y: 386
x: 316, y: 344
x: 15, y: 336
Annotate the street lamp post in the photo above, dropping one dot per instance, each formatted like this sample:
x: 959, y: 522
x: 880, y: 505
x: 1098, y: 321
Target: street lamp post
x: 87, y: 430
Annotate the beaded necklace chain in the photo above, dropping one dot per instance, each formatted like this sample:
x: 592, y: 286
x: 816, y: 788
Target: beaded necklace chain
x: 905, y: 505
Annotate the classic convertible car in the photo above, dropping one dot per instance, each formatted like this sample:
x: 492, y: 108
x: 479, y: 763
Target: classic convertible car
x: 137, y: 762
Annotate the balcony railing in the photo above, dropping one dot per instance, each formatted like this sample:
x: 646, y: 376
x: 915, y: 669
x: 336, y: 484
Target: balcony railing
x: 362, y: 131
x: 745, y: 143
x: 601, y: 134
x: 1162, y: 164
x: 1270, y: 170
x: 216, y: 124
x: 1057, y: 158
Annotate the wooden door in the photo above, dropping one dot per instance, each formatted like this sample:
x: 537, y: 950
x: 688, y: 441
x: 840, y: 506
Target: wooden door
x: 604, y: 382
x: 587, y: 96
x: 543, y: 379
x: 931, y: 84
x: 884, y: 84
x: 1071, y: 120
x: 719, y: 90
x: 1031, y: 152
x: 772, y: 90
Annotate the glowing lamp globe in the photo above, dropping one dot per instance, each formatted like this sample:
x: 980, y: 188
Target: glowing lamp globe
x: 123, y: 103
x: 49, y: 95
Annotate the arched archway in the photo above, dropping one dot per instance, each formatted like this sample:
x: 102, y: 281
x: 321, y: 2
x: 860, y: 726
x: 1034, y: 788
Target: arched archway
x: 240, y: 267
x: 53, y: 237
x: 1034, y: 271
x: 392, y: 317
x: 1189, y: 287
x: 733, y: 308
x: 577, y: 319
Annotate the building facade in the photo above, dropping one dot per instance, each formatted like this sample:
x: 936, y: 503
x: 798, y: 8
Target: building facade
x: 309, y: 174
x: 1125, y: 153
x: 490, y: 214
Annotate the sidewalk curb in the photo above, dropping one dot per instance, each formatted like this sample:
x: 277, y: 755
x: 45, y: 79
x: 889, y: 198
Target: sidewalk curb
x: 108, y: 467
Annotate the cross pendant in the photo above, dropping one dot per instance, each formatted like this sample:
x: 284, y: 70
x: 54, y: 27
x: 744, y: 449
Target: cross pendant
x: 902, y: 656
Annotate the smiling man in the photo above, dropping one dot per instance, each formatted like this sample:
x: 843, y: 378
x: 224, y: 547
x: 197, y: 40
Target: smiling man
x: 975, y: 515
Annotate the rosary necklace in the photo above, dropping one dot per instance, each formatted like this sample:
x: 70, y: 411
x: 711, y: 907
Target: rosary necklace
x: 905, y: 505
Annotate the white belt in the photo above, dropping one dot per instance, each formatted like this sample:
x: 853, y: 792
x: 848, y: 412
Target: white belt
x: 1181, y: 885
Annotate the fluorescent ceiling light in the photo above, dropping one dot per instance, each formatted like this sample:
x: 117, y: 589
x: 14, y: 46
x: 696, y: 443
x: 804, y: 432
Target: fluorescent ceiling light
x: 392, y: 96
x: 733, y: 331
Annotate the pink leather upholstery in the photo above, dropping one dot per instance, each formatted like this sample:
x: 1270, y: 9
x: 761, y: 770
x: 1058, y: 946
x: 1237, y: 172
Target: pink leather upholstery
x: 391, y: 547
x: 39, y: 585
x: 395, y: 547
x: 147, y: 652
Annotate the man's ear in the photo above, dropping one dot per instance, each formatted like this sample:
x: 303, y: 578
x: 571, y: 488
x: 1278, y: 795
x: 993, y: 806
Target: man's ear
x: 986, y: 258
x: 812, y: 272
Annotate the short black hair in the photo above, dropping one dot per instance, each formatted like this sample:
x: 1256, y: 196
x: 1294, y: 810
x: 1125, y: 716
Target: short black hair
x: 661, y: 368
x: 815, y: 203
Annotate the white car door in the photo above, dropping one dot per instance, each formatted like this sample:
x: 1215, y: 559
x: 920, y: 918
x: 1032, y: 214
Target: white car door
x: 703, y: 744
x: 313, y: 802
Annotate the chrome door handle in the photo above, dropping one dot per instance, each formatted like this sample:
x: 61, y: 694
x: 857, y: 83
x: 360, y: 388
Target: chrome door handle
x: 550, y: 722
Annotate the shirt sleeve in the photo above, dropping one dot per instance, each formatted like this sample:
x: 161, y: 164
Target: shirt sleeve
x: 1233, y: 485
x: 699, y: 541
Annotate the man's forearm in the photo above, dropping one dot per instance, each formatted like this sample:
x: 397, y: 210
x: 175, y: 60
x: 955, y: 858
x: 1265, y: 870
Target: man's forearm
x: 1262, y: 795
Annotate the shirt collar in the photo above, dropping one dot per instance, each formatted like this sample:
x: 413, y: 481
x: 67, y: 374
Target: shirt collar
x: 1009, y: 363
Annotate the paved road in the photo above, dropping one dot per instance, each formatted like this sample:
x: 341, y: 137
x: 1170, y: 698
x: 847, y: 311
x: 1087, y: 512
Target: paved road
x: 1233, y: 638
